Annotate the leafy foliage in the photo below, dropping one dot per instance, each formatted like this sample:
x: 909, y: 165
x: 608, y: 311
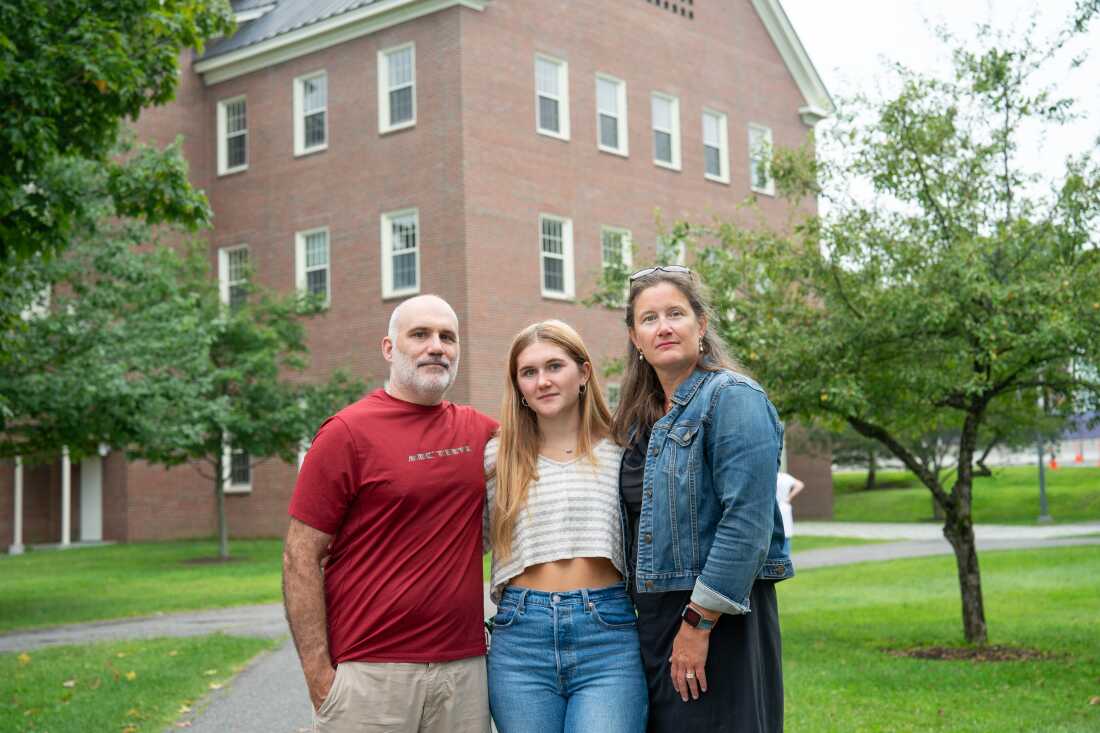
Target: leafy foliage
x: 70, y: 72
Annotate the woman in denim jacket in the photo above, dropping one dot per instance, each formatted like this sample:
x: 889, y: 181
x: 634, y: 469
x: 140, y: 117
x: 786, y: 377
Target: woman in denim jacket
x: 703, y: 528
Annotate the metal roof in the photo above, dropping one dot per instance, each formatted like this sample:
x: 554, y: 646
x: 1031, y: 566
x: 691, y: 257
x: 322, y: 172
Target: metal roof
x: 286, y: 16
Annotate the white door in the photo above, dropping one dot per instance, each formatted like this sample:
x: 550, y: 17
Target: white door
x: 91, y: 499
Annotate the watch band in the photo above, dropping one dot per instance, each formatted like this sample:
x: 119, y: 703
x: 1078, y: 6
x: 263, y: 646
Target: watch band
x: 692, y: 617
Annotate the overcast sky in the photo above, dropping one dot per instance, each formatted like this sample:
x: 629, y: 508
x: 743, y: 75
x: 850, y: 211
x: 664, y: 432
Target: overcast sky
x: 848, y: 40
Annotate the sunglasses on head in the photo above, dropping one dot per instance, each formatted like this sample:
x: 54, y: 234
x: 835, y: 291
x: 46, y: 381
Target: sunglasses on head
x: 680, y: 269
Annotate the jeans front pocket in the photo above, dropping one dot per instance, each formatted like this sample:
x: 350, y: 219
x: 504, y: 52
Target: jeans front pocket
x: 505, y: 616
x: 615, y: 613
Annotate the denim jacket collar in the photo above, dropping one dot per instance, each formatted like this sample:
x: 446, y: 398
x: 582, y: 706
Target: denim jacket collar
x: 689, y: 386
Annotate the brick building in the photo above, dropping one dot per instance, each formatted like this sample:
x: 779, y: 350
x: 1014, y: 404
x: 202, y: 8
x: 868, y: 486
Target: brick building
x: 495, y: 152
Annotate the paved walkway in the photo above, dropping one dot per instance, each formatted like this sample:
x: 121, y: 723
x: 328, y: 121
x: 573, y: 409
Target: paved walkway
x: 270, y: 695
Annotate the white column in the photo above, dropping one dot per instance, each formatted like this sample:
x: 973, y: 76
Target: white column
x: 16, y: 547
x: 66, y: 497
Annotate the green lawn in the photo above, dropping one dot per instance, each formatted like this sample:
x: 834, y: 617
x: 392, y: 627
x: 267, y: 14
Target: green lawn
x: 1010, y: 496
x: 837, y: 622
x: 128, y: 687
x: 47, y: 588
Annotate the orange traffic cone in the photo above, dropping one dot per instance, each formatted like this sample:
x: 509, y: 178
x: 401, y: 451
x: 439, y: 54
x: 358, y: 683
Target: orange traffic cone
x: 1053, y: 463
x: 1080, y: 457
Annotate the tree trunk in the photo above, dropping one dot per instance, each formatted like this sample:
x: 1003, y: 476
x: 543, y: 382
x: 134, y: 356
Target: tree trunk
x: 223, y: 525
x: 959, y: 531
x: 870, y: 470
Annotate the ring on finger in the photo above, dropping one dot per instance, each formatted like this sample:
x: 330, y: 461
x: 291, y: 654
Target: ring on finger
x: 689, y: 675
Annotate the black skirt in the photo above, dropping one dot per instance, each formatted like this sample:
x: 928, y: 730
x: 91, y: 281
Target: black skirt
x: 744, y: 667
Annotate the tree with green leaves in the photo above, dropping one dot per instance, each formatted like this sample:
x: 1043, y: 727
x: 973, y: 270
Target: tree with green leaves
x: 126, y: 343
x: 960, y: 289
x: 71, y: 73
x: 249, y: 395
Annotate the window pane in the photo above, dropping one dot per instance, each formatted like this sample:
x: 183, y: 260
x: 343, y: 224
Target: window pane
x: 552, y: 237
x: 607, y: 95
x: 237, y: 260
x: 714, y: 165
x: 404, y: 270
x: 662, y: 113
x: 612, y: 247
x: 240, y: 472
x: 316, y: 249
x: 404, y: 233
x: 235, y: 116
x: 710, y: 130
x: 401, y: 108
x: 317, y: 282
x: 548, y: 114
x: 238, y: 296
x: 546, y: 76
x: 314, y: 94
x: 315, y: 129
x: 662, y: 146
x: 236, y: 151
x: 400, y: 67
x: 553, y: 274
x: 609, y: 131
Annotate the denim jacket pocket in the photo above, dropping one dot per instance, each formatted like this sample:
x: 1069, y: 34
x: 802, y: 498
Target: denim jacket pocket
x: 683, y: 435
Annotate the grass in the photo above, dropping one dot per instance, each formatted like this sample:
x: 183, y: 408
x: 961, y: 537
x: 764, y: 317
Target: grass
x: 48, y: 588
x: 837, y: 621
x: 1010, y: 496
x: 802, y: 543
x: 127, y: 687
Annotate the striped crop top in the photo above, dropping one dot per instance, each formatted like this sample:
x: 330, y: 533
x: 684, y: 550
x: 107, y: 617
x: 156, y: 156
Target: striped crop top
x: 572, y: 511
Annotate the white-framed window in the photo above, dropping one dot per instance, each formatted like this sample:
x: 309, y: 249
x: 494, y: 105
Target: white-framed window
x: 237, y: 470
x: 760, y: 154
x: 311, y: 113
x: 616, y: 251
x: 665, y: 111
x: 611, y: 114
x: 671, y: 250
x: 233, y: 275
x: 232, y: 135
x: 313, y: 275
x: 400, y: 253
x: 716, y: 149
x: 397, y: 88
x: 556, y: 256
x: 551, y: 97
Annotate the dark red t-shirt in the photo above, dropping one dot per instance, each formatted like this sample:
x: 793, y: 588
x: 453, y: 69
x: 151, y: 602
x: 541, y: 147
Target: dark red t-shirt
x: 401, y: 487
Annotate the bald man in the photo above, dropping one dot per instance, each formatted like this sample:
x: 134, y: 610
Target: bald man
x: 382, y: 576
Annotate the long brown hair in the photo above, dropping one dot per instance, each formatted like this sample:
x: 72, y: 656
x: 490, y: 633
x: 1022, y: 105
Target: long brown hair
x: 518, y: 451
x: 642, y: 399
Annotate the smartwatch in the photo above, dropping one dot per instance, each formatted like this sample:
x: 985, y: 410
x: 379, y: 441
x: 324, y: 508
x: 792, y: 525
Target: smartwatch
x: 692, y: 617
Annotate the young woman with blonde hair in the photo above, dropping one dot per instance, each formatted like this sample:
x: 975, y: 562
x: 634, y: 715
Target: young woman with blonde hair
x: 564, y: 655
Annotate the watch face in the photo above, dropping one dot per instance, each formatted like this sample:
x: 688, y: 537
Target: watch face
x: 691, y: 616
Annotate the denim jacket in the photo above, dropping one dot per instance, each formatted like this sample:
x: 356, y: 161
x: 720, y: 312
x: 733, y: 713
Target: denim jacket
x: 710, y: 521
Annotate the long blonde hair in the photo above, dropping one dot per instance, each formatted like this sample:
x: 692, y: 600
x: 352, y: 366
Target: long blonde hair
x: 518, y: 450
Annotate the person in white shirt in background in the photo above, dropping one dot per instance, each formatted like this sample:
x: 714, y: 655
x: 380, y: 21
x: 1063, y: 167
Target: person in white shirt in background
x: 787, y: 487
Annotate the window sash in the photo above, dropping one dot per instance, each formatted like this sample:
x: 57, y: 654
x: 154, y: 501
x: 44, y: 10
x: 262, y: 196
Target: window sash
x: 240, y: 467
x: 548, y: 78
x: 402, y: 233
x: 397, y: 87
x: 554, y: 249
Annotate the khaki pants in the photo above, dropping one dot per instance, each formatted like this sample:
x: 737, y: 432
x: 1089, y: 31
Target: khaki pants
x: 446, y: 697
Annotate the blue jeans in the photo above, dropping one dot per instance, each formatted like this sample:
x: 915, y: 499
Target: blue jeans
x: 567, y: 662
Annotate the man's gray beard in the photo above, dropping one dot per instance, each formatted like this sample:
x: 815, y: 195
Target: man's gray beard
x: 423, y: 384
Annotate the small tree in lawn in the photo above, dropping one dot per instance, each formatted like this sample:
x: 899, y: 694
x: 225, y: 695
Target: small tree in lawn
x: 249, y: 393
x: 962, y: 290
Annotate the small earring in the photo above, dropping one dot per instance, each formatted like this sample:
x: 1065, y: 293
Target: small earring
x: 584, y: 388
x: 524, y: 401
x: 700, y: 346
x: 641, y: 356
